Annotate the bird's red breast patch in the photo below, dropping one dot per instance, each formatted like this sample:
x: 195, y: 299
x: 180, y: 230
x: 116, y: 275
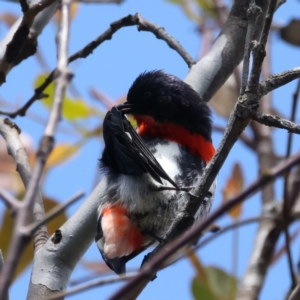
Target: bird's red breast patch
x: 196, y: 143
x: 121, y: 236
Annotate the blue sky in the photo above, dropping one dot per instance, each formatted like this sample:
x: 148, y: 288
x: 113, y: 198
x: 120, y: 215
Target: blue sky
x: 112, y: 68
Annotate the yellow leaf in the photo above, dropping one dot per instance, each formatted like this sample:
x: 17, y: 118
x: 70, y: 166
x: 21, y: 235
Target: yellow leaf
x: 233, y: 187
x: 61, y: 153
x: 73, y: 12
x: 74, y: 109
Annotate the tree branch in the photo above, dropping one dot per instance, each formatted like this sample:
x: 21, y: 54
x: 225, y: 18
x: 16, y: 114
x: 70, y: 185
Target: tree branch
x: 20, y: 238
x: 131, y: 289
x: 275, y: 121
x: 295, y: 294
x: 91, y: 285
x: 15, y: 148
x: 226, y: 53
x: 10, y: 201
x: 253, y: 13
x: 6, y: 297
x: 139, y: 21
x: 278, y: 80
x: 243, y: 137
x: 20, y: 41
x: 53, y: 213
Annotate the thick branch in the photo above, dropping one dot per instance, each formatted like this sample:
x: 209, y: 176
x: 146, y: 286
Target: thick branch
x: 20, y: 238
x: 243, y: 137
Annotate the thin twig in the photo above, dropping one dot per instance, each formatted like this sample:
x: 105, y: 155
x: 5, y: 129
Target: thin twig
x: 6, y: 297
x: 218, y: 233
x: 286, y: 207
x: 259, y: 51
x: 275, y: 121
x: 54, y: 212
x: 90, y: 285
x: 139, y: 21
x: 278, y: 80
x: 253, y: 13
x: 10, y: 201
x: 243, y: 137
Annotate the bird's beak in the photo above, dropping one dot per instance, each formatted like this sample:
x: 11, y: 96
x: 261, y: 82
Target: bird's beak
x: 126, y: 108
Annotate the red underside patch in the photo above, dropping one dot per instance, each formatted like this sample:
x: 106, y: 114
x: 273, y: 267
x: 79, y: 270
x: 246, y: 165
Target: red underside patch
x: 122, y: 237
x: 196, y: 143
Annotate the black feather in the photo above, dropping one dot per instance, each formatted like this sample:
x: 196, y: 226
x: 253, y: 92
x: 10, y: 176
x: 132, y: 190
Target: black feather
x: 125, y: 152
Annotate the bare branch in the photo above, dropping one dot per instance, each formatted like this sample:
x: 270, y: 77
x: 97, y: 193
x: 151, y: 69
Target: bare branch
x: 226, y: 53
x: 9, y: 200
x: 243, y: 137
x: 276, y: 121
x: 15, y: 148
x: 20, y: 238
x: 253, y: 12
x: 160, y: 33
x: 14, y: 46
x: 138, y: 20
x: 91, y: 285
x: 6, y: 297
x: 54, y: 212
x: 24, y: 5
x: 278, y: 80
x: 286, y: 207
x: 295, y: 294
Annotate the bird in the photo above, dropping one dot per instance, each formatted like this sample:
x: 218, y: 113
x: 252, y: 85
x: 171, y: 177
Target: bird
x: 149, y: 172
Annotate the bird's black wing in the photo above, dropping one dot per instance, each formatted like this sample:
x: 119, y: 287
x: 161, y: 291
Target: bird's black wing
x: 125, y: 152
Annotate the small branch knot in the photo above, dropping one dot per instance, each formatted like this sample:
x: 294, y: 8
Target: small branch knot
x: 46, y: 146
x: 11, y: 124
x: 253, y: 12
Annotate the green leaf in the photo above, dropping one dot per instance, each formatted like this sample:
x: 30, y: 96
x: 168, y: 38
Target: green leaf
x: 223, y: 285
x: 201, y: 291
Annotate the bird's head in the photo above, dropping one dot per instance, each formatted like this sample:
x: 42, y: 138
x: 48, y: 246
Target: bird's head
x: 166, y: 98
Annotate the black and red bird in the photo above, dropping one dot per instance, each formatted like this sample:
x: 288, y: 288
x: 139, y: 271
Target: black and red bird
x: 147, y: 171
